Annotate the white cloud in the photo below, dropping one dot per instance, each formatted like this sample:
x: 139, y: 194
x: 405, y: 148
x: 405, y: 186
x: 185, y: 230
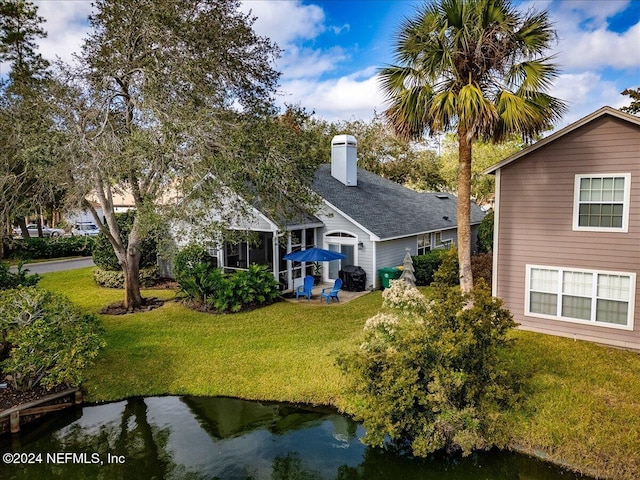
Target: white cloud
x: 299, y: 62
x: 600, y: 48
x: 353, y: 96
x: 286, y: 22
x: 592, y: 14
x: 584, y: 93
x: 66, y: 24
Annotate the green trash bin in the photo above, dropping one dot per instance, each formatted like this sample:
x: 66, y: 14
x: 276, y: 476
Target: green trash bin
x: 387, y: 274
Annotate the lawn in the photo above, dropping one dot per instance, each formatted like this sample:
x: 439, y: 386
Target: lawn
x: 582, y: 406
x: 285, y: 351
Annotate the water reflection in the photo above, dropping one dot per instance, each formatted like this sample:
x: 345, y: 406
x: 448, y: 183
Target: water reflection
x: 221, y: 438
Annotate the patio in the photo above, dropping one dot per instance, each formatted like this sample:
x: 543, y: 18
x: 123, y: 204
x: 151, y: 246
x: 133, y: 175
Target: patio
x: 344, y: 295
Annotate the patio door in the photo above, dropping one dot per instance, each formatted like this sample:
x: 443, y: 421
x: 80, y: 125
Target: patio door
x: 335, y: 266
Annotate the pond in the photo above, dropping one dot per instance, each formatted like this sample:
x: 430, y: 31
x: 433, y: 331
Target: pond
x: 221, y: 438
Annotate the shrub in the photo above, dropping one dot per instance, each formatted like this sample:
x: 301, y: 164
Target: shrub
x: 51, y: 341
x: 57, y: 247
x: 9, y: 279
x: 442, y: 265
x: 189, y: 257
x: 448, y: 272
x: 253, y: 287
x: 485, y: 233
x: 104, y: 256
x: 426, y: 265
x: 433, y: 380
x: 201, y: 282
x: 482, y: 267
x: 112, y: 279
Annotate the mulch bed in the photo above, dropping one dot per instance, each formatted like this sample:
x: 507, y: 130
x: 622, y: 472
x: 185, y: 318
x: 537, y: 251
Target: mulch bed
x: 10, y: 397
x: 118, y: 308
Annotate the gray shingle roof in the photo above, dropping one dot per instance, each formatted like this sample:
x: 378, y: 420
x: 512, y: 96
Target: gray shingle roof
x: 387, y: 209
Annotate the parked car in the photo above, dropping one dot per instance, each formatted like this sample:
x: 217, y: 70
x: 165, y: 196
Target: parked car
x: 46, y: 231
x: 85, y: 230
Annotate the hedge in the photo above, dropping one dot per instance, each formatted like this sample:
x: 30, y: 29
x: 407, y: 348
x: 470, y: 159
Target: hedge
x: 115, y: 279
x: 55, y: 247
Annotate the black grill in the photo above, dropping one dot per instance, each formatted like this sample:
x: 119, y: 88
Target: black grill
x: 354, y: 278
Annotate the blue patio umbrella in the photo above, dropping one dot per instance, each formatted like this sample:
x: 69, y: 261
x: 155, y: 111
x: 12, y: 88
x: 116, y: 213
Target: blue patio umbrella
x: 314, y: 255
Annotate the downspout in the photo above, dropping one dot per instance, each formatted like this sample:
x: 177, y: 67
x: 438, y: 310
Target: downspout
x: 375, y: 265
x: 496, y: 223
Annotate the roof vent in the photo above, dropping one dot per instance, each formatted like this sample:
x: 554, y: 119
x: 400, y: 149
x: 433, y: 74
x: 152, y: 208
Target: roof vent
x: 344, y: 159
x: 442, y: 196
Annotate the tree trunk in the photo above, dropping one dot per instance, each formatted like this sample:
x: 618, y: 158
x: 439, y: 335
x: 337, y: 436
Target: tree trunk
x: 464, y: 210
x: 131, y: 270
x: 128, y: 253
x: 23, y: 227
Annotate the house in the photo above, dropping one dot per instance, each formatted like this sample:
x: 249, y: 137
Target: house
x: 371, y: 220
x: 122, y: 202
x: 567, y: 231
x: 79, y: 215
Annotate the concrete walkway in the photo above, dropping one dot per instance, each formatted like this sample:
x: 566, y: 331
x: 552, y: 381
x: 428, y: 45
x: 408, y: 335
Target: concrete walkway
x: 56, y: 265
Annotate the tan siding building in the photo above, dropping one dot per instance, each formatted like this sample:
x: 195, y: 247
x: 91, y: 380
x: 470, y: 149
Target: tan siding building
x: 567, y: 231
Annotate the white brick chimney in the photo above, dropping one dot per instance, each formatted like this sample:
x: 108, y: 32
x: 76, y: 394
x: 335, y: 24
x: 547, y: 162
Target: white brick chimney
x: 344, y: 159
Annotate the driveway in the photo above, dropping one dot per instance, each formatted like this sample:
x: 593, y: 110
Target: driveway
x: 57, y: 265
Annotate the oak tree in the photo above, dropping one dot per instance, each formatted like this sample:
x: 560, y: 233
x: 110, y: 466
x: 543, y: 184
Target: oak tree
x: 156, y: 91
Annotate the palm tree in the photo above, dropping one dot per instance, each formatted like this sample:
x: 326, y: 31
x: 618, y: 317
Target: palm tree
x: 478, y: 68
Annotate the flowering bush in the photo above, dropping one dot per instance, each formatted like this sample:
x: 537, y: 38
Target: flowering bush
x: 404, y: 298
x: 429, y: 374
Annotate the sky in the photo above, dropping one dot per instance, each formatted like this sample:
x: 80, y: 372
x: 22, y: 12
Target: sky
x: 332, y: 50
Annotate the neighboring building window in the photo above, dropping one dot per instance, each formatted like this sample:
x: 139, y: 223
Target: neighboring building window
x: 601, y: 202
x: 585, y: 296
x: 431, y: 241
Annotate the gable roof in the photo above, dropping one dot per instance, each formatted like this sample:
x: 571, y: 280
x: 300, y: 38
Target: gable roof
x: 386, y: 209
x: 560, y: 133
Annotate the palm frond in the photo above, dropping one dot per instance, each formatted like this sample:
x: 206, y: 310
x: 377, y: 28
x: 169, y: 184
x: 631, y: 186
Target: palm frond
x: 528, y: 114
x: 475, y: 111
x: 531, y: 75
x: 444, y: 110
x: 536, y: 33
x: 407, y: 113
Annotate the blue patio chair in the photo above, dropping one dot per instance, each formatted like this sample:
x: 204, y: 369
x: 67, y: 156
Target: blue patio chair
x: 304, y: 290
x: 331, y: 292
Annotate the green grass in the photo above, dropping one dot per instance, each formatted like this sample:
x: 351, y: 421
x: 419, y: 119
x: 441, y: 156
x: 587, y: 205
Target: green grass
x: 582, y: 406
x: 285, y: 351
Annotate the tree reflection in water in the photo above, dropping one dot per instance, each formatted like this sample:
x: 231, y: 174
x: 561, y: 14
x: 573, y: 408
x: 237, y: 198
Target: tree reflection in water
x: 197, y: 438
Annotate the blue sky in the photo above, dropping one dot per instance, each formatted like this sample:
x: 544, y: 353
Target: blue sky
x: 333, y: 49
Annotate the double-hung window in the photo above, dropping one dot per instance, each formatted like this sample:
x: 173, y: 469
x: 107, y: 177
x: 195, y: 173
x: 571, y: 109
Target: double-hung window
x: 583, y: 296
x: 601, y: 202
x: 431, y: 241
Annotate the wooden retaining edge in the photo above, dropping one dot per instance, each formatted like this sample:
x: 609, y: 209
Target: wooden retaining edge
x: 33, y: 408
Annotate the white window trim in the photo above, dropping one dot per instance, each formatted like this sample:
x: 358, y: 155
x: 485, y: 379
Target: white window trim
x: 625, y: 202
x: 632, y: 295
x: 445, y: 243
x: 327, y: 239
